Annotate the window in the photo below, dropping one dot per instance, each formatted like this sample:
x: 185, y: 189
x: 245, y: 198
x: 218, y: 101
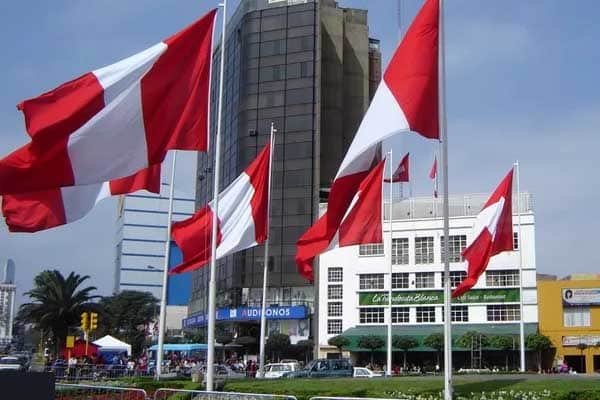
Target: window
x: 374, y: 249
x: 425, y: 314
x: 400, y: 315
x: 372, y: 315
x: 424, y: 280
x: 576, y: 316
x: 459, y: 313
x: 334, y: 292
x: 502, y: 278
x: 400, y: 280
x: 370, y: 281
x: 334, y: 309
x: 400, y: 251
x: 503, y: 312
x: 456, y: 245
x: 334, y: 326
x: 335, y: 274
x: 424, y: 250
x: 515, y: 241
x: 456, y: 277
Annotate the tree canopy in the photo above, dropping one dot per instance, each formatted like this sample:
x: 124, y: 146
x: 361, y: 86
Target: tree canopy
x: 371, y: 342
x: 339, y: 341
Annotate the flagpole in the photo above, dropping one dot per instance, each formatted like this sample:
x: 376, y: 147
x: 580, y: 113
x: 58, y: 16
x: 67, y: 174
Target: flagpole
x: 212, y: 285
x: 520, y: 243
x: 389, y: 327
x: 263, y: 311
x: 163, y: 300
x: 444, y: 156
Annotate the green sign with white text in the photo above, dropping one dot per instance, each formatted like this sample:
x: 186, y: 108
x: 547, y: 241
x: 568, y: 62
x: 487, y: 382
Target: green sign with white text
x: 437, y: 297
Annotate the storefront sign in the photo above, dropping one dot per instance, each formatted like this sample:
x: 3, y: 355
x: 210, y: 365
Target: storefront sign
x: 577, y: 340
x: 247, y: 314
x: 581, y: 297
x: 437, y: 297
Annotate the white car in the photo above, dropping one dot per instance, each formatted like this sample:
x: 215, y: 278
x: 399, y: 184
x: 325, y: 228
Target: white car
x: 278, y: 370
x: 11, y: 364
x: 361, y: 372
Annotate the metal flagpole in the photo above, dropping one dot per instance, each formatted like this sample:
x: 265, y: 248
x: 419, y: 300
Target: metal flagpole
x: 212, y: 285
x: 520, y: 244
x: 444, y: 156
x: 389, y: 328
x: 263, y: 311
x: 163, y: 301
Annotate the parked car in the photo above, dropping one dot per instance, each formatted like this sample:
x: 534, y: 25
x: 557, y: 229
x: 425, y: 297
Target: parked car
x: 324, y: 368
x: 278, y: 370
x: 361, y: 372
x: 222, y: 373
x: 12, y: 364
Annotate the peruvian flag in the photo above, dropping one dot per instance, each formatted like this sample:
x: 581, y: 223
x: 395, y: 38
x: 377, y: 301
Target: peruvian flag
x: 38, y: 211
x: 360, y: 225
x: 492, y: 234
x: 406, y: 100
x: 117, y: 120
x: 434, y: 175
x: 242, y: 218
x: 401, y: 174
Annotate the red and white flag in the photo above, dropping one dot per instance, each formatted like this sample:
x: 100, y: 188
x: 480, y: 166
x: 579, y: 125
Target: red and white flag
x: 434, y: 175
x: 492, y: 234
x: 401, y: 174
x: 360, y: 225
x: 242, y: 220
x: 117, y: 120
x: 406, y: 100
x: 38, y: 211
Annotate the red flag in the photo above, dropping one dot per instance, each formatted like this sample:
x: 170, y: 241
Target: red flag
x: 401, y: 174
x: 243, y: 218
x: 38, y: 211
x: 433, y: 175
x: 492, y: 234
x: 361, y: 225
x: 117, y: 120
x: 402, y: 103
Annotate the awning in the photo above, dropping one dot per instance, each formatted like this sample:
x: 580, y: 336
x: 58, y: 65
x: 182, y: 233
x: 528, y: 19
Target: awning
x: 182, y: 347
x: 420, y: 332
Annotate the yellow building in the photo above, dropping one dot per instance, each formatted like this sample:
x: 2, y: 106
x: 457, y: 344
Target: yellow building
x: 569, y: 314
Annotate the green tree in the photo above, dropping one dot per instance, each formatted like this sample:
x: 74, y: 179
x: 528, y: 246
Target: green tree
x: 404, y: 343
x: 277, y: 343
x: 306, y: 346
x: 504, y: 343
x: 126, y: 316
x: 471, y: 340
x: 435, y: 341
x: 538, y: 343
x: 370, y: 342
x: 339, y: 341
x: 57, y: 304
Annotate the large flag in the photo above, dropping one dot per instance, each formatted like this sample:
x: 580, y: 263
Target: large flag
x: 117, y: 120
x: 242, y: 218
x: 433, y: 174
x: 492, y: 234
x: 360, y: 225
x: 401, y: 174
x: 406, y: 100
x: 38, y: 211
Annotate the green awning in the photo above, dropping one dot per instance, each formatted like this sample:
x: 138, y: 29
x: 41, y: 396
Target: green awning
x: 420, y: 332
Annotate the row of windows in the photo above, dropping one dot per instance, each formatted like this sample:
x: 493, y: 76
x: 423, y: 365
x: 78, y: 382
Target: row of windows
x: 426, y: 280
x: 423, y: 249
x: 495, y: 312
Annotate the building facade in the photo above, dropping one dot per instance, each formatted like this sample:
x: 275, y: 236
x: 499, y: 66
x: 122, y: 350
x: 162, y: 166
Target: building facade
x: 140, y: 249
x: 569, y: 313
x: 305, y: 66
x: 8, y: 291
x: 354, y: 281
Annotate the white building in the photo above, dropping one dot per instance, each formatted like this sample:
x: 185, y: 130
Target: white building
x: 8, y: 291
x: 140, y: 248
x: 354, y: 281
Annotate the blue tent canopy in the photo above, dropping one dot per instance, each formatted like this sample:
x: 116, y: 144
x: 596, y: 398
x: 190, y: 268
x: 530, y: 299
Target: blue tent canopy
x: 182, y: 347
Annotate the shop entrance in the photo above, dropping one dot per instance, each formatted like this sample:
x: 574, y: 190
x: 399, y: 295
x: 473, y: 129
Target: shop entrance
x: 576, y: 363
x: 597, y: 363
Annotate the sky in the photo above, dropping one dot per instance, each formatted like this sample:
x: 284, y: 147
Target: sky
x: 522, y: 84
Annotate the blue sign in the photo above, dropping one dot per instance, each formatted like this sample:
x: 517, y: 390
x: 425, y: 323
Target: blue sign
x: 248, y: 314
x: 179, y: 287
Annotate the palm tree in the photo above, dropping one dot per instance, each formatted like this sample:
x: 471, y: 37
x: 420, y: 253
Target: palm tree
x: 57, y: 303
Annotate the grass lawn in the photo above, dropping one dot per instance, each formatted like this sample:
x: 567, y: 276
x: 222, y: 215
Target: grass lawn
x: 385, y: 388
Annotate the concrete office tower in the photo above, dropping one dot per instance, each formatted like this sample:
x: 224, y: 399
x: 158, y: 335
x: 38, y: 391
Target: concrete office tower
x: 8, y: 272
x: 8, y: 291
x: 304, y: 65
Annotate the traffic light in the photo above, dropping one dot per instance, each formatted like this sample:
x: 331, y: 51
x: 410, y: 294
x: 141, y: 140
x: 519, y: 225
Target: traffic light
x: 84, y: 321
x: 93, y: 321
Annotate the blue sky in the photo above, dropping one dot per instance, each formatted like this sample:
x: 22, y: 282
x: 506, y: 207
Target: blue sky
x: 522, y: 81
